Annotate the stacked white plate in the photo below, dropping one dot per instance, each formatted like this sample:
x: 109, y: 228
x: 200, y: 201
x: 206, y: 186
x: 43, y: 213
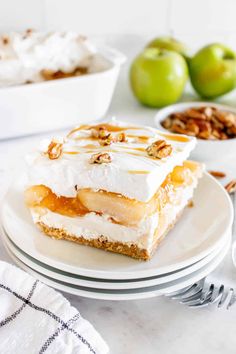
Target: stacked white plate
x: 192, y: 250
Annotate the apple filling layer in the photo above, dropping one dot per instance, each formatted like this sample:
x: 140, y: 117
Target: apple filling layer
x: 128, y: 212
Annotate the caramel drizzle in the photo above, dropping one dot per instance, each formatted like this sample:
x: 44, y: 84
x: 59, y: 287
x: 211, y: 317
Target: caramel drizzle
x: 71, y: 152
x: 141, y: 138
x: 108, y: 127
x: 92, y: 147
x: 114, y: 128
x: 138, y: 172
x: 101, y: 148
x: 129, y: 149
x: 174, y: 137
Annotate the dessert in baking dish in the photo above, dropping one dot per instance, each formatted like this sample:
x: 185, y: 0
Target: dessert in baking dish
x: 113, y: 186
x: 33, y: 56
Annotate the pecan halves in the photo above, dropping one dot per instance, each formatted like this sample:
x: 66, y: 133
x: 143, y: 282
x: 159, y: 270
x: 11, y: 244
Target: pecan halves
x: 108, y: 140
x: 217, y: 174
x: 159, y: 149
x: 121, y: 138
x: 100, y: 157
x: 99, y: 133
x: 54, y: 150
x: 231, y: 186
x: 205, y: 122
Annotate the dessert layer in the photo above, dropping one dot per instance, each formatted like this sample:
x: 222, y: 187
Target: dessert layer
x: 128, y: 212
x: 117, y: 247
x: 127, y: 166
x: 92, y: 226
x: 25, y: 56
x: 131, y: 250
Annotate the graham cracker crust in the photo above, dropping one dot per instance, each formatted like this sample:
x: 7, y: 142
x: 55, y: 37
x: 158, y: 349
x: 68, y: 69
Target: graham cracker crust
x: 130, y: 250
x: 101, y: 242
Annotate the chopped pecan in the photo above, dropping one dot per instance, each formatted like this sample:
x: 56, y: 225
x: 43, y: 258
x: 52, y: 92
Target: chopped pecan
x: 190, y: 204
x: 5, y: 40
x: 55, y: 149
x: 99, y: 133
x: 205, y: 122
x: 100, y: 157
x: 105, y: 138
x: 167, y: 123
x: 195, y: 114
x: 177, y: 129
x: 192, y: 127
x: 217, y: 174
x: 227, y: 118
x: 231, y: 186
x: 108, y: 140
x: 159, y: 149
x: 121, y: 138
x: 208, y: 111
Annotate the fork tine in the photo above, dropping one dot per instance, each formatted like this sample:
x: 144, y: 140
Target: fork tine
x: 223, y: 299
x: 196, y: 296
x: 232, y: 299
x: 191, y: 291
x: 198, y: 301
x: 217, y: 294
x: 181, y: 291
x: 187, y: 291
x: 207, y: 291
x: 200, y: 304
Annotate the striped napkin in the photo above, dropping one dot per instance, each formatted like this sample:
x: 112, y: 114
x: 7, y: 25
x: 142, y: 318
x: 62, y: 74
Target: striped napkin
x: 37, y: 319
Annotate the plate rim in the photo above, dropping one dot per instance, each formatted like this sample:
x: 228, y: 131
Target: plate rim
x: 101, y: 274
x: 112, y: 284
x: 119, y: 296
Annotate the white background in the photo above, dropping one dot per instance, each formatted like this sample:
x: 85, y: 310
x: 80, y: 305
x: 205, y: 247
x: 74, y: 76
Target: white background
x: 197, y: 21
x: 155, y: 325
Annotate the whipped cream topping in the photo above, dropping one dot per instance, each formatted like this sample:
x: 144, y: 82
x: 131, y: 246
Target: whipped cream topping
x: 132, y: 173
x: 24, y: 55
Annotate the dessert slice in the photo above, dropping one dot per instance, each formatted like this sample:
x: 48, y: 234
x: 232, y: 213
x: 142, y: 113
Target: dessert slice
x: 112, y: 186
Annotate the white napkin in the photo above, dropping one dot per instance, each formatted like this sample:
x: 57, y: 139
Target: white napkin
x: 37, y: 319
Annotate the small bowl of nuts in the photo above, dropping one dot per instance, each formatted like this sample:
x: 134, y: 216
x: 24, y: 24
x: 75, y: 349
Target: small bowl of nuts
x: 214, y: 126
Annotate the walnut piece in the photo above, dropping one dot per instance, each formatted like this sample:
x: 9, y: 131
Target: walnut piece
x: 159, y: 149
x: 100, y: 157
x: 55, y: 149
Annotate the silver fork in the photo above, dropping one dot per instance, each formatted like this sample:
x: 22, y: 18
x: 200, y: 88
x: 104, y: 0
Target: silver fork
x: 205, y: 292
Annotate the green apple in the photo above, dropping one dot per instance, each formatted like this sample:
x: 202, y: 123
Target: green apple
x: 158, y: 77
x: 169, y: 43
x: 213, y: 70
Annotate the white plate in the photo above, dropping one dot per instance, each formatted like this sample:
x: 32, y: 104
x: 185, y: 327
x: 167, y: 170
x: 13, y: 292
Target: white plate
x: 205, y: 149
x: 135, y: 294
x: 199, y: 232
x: 69, y: 278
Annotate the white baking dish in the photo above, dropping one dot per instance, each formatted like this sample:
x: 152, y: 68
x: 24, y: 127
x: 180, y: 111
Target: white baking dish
x: 51, y: 105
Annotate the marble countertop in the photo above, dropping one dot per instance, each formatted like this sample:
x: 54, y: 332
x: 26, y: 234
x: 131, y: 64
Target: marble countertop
x: 157, y: 325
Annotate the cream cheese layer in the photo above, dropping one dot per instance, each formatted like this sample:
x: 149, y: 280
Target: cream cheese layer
x: 131, y: 173
x: 92, y: 226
